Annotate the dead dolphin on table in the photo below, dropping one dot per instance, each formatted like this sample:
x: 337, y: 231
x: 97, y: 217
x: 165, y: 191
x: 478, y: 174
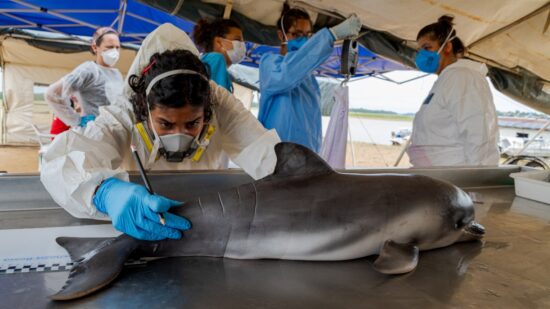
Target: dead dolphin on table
x: 303, y: 211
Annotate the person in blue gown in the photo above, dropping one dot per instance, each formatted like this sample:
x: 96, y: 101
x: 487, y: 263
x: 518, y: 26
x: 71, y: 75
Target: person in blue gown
x: 222, y: 44
x: 290, y: 94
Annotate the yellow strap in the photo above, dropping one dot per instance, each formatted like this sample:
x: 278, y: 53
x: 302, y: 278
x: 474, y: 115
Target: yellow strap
x: 206, y: 140
x: 144, y: 136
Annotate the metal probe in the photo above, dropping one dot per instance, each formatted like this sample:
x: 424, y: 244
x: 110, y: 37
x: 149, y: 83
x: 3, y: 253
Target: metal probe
x: 145, y: 179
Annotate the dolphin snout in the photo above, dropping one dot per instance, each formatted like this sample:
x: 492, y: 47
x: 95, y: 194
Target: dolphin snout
x: 472, y: 231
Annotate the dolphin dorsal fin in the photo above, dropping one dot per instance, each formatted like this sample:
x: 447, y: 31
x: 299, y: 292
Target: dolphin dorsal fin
x: 297, y: 160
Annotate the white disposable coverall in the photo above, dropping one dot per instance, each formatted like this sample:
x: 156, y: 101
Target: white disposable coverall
x: 457, y: 123
x: 93, y: 85
x: 78, y: 160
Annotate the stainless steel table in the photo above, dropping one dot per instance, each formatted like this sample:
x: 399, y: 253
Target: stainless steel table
x: 510, y: 269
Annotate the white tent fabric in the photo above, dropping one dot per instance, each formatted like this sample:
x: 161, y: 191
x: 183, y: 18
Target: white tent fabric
x: 505, y: 33
x: 25, y: 66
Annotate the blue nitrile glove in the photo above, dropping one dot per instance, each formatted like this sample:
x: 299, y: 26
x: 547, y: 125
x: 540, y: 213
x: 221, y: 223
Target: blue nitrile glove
x: 348, y: 28
x: 134, y: 211
x: 85, y: 119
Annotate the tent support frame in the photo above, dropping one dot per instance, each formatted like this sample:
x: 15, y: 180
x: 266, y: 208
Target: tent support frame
x: 121, y: 15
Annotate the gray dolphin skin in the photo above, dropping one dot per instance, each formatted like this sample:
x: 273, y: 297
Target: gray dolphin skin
x: 303, y: 211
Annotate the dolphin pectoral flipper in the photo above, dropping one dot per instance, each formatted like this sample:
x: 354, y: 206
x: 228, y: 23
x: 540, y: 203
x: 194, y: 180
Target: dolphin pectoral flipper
x: 396, y: 258
x: 96, y: 268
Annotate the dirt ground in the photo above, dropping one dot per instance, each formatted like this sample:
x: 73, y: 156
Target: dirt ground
x: 373, y: 155
x: 18, y: 159
x: 24, y: 159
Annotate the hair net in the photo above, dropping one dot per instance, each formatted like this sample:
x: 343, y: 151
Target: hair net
x: 165, y: 37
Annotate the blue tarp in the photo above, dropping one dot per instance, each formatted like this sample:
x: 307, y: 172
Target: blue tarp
x: 369, y: 63
x: 135, y: 20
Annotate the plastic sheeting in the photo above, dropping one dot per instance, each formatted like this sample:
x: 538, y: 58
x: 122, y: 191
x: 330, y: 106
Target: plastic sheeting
x: 336, y: 137
x: 25, y: 66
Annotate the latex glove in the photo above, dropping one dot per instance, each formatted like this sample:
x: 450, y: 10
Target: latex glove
x: 348, y: 28
x: 85, y: 119
x: 134, y: 211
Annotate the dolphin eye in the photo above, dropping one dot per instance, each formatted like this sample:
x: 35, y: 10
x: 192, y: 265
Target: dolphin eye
x: 460, y: 223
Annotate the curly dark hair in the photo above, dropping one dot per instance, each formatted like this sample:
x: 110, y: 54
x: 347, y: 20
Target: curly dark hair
x: 205, y: 31
x: 440, y: 30
x: 173, y: 91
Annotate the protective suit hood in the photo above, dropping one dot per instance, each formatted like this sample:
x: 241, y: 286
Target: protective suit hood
x: 165, y: 37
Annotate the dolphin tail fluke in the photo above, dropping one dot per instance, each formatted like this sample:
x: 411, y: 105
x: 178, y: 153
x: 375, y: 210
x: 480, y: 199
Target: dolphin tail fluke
x: 97, y: 262
x: 395, y: 259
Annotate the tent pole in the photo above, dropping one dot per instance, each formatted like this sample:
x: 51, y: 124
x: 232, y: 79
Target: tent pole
x: 54, y: 13
x: 228, y: 8
x: 402, y: 152
x: 352, y: 147
x: 533, y: 138
x: 121, y: 15
x: 177, y: 8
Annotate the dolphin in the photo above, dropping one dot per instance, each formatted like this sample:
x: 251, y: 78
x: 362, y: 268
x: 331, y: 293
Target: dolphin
x: 303, y: 211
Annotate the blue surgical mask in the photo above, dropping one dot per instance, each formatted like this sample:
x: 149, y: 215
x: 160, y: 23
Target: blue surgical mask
x: 295, y: 44
x: 427, y: 60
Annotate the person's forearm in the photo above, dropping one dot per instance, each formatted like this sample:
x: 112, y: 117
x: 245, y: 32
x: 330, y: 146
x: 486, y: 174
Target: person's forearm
x: 61, y: 105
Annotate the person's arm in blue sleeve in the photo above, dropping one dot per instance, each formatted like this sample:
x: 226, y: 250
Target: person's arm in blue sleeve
x: 217, y: 68
x: 279, y: 74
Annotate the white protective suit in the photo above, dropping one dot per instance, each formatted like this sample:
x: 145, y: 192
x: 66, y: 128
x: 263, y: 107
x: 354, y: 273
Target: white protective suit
x: 92, y: 84
x: 457, y: 122
x: 77, y: 161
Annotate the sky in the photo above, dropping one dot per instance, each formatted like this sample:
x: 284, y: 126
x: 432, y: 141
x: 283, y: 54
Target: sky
x: 375, y: 94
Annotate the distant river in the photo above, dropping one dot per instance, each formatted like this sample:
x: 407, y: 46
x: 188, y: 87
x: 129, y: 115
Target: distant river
x: 368, y: 130
x: 378, y: 131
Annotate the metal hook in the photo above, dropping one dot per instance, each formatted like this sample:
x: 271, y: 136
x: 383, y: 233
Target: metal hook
x: 344, y: 83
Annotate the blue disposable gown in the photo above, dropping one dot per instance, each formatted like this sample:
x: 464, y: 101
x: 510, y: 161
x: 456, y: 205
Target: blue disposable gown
x: 290, y: 95
x: 216, y: 66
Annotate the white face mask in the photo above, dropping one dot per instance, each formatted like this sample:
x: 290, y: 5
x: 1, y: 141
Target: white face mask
x: 173, y: 147
x: 238, y: 52
x: 110, y: 56
x: 176, y: 146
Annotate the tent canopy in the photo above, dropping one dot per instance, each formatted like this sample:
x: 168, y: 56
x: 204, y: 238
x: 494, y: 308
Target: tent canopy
x: 368, y: 63
x: 512, y: 37
x: 43, y: 40
x: 131, y: 19
x: 135, y: 20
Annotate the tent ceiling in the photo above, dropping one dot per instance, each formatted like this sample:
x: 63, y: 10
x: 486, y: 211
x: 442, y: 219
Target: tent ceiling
x: 511, y: 36
x: 478, y: 23
x: 132, y: 19
x: 80, y: 19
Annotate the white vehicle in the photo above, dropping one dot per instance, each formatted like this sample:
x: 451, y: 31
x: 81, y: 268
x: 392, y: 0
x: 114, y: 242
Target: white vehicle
x: 400, y: 136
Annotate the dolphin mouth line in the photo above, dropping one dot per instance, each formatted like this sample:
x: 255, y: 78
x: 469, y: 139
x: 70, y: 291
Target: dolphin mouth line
x: 474, y: 229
